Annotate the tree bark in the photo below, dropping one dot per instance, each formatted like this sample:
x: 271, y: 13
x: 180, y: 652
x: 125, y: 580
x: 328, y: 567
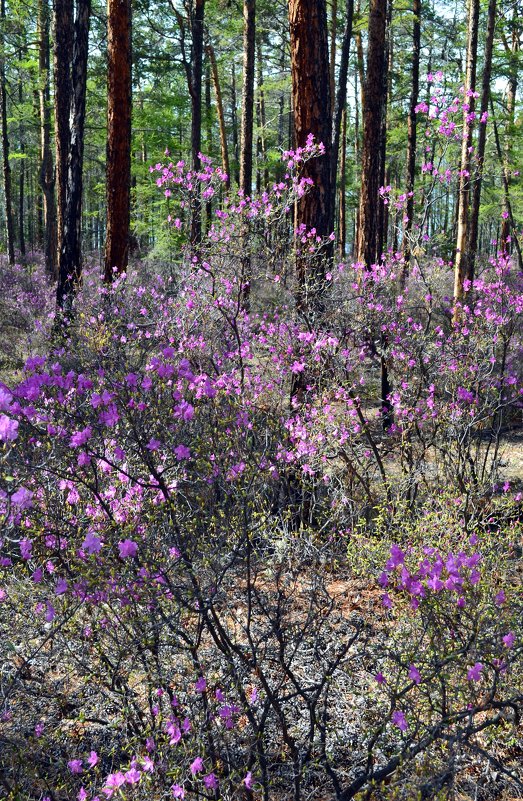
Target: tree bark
x: 63, y: 34
x: 118, y: 137
x: 472, y: 242
x: 46, y: 175
x: 368, y: 221
x: 6, y: 167
x: 312, y: 115
x: 249, y: 49
x: 70, y: 265
x: 460, y: 264
x: 341, y: 97
x: 197, y: 16
x: 511, y: 51
x: 219, y: 109
x: 412, y: 135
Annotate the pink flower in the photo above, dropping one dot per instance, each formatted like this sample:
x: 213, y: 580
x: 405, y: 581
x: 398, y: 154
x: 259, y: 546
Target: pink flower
x: 248, y: 781
x: 8, y: 428
x: 414, y: 674
x: 132, y: 776
x: 93, y: 759
x: 127, y: 548
x: 210, y: 781
x: 177, y: 791
x: 399, y: 720
x: 22, y: 498
x: 182, y: 452
x: 75, y: 765
x: 196, y: 766
x: 474, y: 673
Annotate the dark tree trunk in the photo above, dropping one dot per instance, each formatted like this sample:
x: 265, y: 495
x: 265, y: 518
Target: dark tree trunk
x: 6, y: 167
x: 249, y: 45
x: 511, y: 51
x: 197, y: 16
x: 412, y: 134
x: 460, y: 264
x: 219, y: 109
x: 21, y: 178
x: 341, y: 96
x: 249, y: 50
x: 46, y: 175
x: 472, y: 243
x: 312, y: 115
x: 118, y: 137
x: 70, y: 265
x: 367, y: 250
x: 234, y: 120
x: 63, y: 34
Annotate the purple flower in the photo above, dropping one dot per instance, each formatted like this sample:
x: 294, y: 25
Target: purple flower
x: 61, y: 586
x: 200, y: 685
x: 26, y: 547
x: 500, y: 598
x: 248, y: 781
x: 75, y: 766
x: 112, y: 783
x: 177, y: 791
x: 153, y: 444
x: 399, y: 720
x: 196, y: 766
x: 414, y: 674
x: 182, y: 452
x: 132, y: 776
x: 380, y: 678
x: 127, y: 548
x: 79, y: 438
x: 22, y: 498
x: 387, y: 601
x: 8, y: 428
x: 509, y: 639
x: 474, y: 673
x: 92, y: 544
x: 93, y: 759
x: 210, y: 781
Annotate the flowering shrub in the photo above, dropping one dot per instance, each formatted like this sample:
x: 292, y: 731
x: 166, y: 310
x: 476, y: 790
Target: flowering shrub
x: 182, y: 479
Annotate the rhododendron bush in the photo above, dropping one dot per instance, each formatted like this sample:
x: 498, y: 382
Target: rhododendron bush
x: 227, y: 569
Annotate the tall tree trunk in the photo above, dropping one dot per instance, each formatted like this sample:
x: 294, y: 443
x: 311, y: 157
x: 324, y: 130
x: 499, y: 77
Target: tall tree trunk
x: 342, y: 204
x: 332, y: 53
x: 249, y: 45
x: 412, y: 135
x: 46, y: 175
x: 312, y: 115
x: 511, y: 51
x: 219, y: 109
x: 341, y: 95
x: 262, y: 178
x: 460, y: 264
x: 119, y: 61
x: 234, y: 120
x: 63, y: 34
x: 21, y: 179
x: 482, y: 138
x: 6, y: 167
x: 367, y: 249
x: 197, y: 17
x: 70, y: 264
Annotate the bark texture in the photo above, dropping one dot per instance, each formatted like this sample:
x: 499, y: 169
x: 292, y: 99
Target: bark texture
x: 367, y: 250
x: 70, y: 264
x: 6, y: 167
x: 118, y: 137
x: 46, y: 174
x: 312, y: 115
